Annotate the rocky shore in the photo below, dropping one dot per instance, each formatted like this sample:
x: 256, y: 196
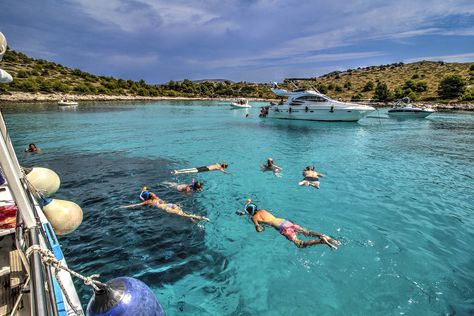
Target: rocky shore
x: 23, y: 97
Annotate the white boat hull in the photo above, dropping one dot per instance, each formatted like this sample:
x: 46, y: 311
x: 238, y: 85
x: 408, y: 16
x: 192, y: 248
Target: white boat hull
x: 325, y: 114
x: 62, y: 103
x: 240, y: 106
x: 411, y: 114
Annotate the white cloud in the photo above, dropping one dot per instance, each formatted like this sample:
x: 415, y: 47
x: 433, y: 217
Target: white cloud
x: 459, y: 32
x: 139, y: 15
x: 132, y: 61
x: 123, y: 60
x: 264, y: 62
x: 459, y: 58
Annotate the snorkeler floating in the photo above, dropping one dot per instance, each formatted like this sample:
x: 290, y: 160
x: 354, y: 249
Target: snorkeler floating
x: 285, y: 227
x: 311, y: 177
x: 217, y: 166
x: 195, y: 186
x: 151, y: 199
x: 270, y: 165
x: 32, y: 149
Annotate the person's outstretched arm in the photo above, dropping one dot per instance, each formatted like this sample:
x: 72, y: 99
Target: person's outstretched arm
x: 133, y: 205
x: 223, y: 171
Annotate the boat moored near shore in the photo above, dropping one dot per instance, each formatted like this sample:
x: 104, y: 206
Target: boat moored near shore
x: 312, y: 105
x: 404, y: 109
x: 66, y: 102
x: 241, y: 103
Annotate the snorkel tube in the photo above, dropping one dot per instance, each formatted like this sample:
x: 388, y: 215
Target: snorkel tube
x: 249, y: 209
x: 196, y: 186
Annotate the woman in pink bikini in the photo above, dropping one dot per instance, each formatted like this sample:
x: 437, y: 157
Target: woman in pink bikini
x: 285, y: 227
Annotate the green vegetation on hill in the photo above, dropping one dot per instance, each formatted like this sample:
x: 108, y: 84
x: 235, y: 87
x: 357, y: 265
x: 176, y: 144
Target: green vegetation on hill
x: 37, y: 75
x: 421, y: 81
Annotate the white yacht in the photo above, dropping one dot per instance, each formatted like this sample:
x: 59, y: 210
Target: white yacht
x: 403, y: 109
x: 241, y: 103
x: 312, y: 105
x: 65, y: 102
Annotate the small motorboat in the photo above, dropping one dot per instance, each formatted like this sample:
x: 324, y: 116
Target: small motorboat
x: 241, y: 103
x: 403, y: 109
x: 66, y: 102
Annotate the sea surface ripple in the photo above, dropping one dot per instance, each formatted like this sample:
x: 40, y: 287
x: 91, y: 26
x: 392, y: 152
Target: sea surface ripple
x: 398, y: 194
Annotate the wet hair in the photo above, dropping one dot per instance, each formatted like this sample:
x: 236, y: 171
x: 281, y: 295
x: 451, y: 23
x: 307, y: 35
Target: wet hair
x: 309, y: 168
x: 197, y: 186
x: 224, y: 165
x: 31, y: 148
x: 251, y: 208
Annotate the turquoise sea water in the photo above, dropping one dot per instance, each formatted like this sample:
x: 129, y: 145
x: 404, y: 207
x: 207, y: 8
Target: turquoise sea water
x: 398, y: 194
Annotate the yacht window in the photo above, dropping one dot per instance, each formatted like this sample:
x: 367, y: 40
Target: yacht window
x: 312, y: 98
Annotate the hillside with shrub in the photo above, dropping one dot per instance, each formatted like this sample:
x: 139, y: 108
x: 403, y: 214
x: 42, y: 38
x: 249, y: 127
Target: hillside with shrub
x: 421, y: 81
x: 41, y: 76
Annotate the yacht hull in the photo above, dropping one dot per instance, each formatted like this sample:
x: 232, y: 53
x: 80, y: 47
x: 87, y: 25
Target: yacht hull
x: 240, y: 106
x: 323, y: 114
x: 410, y: 114
x: 66, y: 103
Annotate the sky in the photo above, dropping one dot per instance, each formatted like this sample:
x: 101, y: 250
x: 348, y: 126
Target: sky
x: 246, y: 40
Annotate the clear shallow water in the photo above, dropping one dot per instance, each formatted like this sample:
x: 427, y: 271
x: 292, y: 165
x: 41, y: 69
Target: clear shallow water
x: 398, y: 194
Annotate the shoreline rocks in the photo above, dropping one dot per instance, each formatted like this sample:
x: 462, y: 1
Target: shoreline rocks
x: 24, y: 97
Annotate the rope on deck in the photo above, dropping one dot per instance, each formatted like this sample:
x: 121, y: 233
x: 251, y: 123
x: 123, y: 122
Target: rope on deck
x: 48, y: 258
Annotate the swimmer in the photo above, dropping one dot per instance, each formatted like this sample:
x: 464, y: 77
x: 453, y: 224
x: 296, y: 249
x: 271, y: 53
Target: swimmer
x: 285, y: 227
x: 171, y: 208
x: 195, y: 186
x: 311, y: 177
x: 145, y: 194
x: 32, y: 149
x: 270, y: 165
x: 217, y: 166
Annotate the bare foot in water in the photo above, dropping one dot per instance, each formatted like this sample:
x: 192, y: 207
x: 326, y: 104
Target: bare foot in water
x: 330, y: 242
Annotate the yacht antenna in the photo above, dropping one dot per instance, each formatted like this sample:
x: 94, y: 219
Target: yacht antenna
x: 295, y: 86
x: 314, y: 89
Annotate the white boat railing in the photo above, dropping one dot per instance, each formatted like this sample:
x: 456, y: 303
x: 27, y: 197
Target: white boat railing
x: 13, y: 174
